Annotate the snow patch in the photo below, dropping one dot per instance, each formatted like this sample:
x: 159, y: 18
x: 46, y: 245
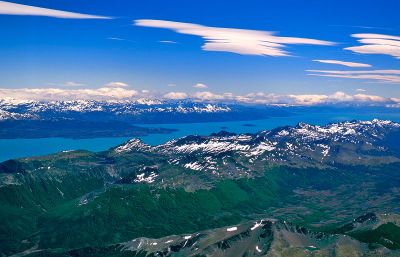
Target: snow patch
x: 231, y: 229
x: 141, y: 178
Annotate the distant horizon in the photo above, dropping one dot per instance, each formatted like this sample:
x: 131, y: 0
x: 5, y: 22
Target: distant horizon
x: 337, y: 99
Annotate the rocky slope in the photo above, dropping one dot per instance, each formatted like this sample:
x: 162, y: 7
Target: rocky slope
x: 265, y: 237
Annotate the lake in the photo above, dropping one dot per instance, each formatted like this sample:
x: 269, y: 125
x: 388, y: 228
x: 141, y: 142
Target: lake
x: 16, y: 148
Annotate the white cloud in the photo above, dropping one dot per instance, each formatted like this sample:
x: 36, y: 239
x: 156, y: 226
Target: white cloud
x: 67, y: 84
x: 171, y: 85
x: 240, y: 41
x: 308, y: 99
x: 116, y: 84
x: 206, y: 95
x: 285, y: 99
x: 381, y: 76
x: 388, y: 72
x: 316, y: 99
x: 120, y: 39
x: 369, y: 98
x: 73, y: 84
x: 116, y: 38
x: 295, y: 99
x: 377, y: 44
x: 348, y: 64
x: 112, y: 93
x: 20, y: 9
x: 200, y: 85
x: 361, y: 90
x: 362, y: 27
x: 103, y: 93
x: 176, y: 95
x: 340, y: 97
x: 167, y: 42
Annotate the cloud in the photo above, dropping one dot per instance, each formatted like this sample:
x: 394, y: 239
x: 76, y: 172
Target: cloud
x: 315, y: 99
x: 361, y: 90
x: 112, y: 93
x: 67, y: 84
x: 120, y: 39
x: 286, y: 99
x: 377, y: 44
x: 308, y: 99
x: 396, y: 100
x: 116, y: 38
x: 171, y: 85
x: 239, y: 41
x: 362, y: 27
x: 295, y: 99
x: 298, y: 99
x: 369, y: 98
x: 176, y: 95
x: 167, y: 42
x: 200, y: 85
x: 20, y: 9
x: 348, y: 64
x: 395, y: 72
x: 380, y: 76
x: 103, y: 93
x: 206, y: 95
x: 73, y: 84
x: 116, y: 84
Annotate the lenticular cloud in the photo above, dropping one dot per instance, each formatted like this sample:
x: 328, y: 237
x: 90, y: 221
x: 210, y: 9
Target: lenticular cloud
x: 8, y: 8
x: 377, y: 44
x: 381, y: 76
x: 240, y: 41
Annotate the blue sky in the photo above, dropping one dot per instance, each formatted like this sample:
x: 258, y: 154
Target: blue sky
x: 131, y: 42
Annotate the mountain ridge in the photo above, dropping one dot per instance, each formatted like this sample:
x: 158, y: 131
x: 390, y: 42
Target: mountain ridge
x: 265, y: 237
x: 300, y: 144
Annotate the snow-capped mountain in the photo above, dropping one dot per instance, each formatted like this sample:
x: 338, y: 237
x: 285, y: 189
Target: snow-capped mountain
x: 13, y: 109
x: 7, y: 115
x: 90, y: 119
x: 302, y: 145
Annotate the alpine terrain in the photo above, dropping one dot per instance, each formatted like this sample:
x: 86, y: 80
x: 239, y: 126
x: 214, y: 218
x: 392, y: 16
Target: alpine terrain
x: 306, y: 190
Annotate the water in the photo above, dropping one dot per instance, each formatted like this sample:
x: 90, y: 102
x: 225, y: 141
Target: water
x: 16, y: 148
x: 258, y: 125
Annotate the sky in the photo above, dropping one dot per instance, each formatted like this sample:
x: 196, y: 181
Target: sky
x: 253, y: 51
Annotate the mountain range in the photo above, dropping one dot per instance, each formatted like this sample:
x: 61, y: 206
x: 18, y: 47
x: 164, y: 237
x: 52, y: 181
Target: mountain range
x: 94, y: 119
x: 139, y: 111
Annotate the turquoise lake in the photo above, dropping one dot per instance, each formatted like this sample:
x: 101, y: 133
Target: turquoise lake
x: 16, y: 148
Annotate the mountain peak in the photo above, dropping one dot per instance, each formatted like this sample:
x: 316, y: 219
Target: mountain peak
x: 134, y: 144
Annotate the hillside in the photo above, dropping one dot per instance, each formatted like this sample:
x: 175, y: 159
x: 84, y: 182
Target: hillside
x: 313, y: 177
